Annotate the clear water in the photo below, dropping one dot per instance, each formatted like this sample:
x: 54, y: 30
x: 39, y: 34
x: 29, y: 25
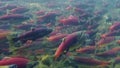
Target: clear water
x: 85, y: 33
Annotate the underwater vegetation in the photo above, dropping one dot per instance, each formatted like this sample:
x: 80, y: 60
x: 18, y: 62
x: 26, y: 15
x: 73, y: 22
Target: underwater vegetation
x: 59, y: 34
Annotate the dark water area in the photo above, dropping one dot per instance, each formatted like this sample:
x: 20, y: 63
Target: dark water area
x: 59, y: 33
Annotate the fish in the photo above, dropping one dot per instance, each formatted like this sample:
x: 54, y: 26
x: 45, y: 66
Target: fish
x: 19, y: 10
x: 8, y: 7
x: 112, y: 33
x: 32, y: 35
x: 71, y: 20
x: 115, y: 26
x: 40, y: 12
x: 87, y: 49
x: 105, y: 40
x: 13, y: 17
x: 20, y: 62
x: 56, y: 37
x: 48, y: 17
x: 4, y: 34
x: 90, y: 61
x: 110, y: 53
x: 54, y: 33
x: 24, y: 26
x: 67, y: 42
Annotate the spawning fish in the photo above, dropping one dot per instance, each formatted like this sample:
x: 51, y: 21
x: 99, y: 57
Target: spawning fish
x: 20, y: 62
x: 90, y: 61
x: 32, y: 35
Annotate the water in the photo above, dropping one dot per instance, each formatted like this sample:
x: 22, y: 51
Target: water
x: 60, y: 33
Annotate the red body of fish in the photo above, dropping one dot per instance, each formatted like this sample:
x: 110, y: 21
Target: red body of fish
x: 19, y: 10
x: 69, y: 40
x: 71, y: 20
x: 56, y: 37
x: 105, y: 41
x: 113, y: 33
x: 110, y: 53
x: 115, y: 26
x: 87, y: 49
x: 90, y: 61
x: 20, y: 62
